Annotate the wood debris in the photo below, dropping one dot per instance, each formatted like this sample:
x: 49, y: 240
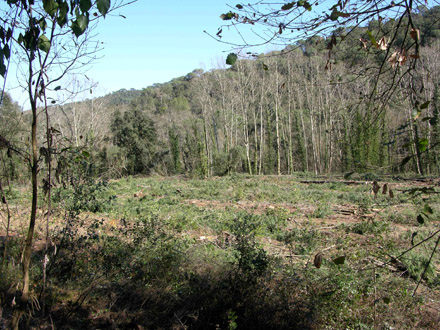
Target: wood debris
x: 138, y: 194
x: 376, y: 188
x: 318, y: 260
x: 385, y: 189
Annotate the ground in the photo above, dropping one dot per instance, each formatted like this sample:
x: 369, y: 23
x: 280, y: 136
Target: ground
x: 156, y: 252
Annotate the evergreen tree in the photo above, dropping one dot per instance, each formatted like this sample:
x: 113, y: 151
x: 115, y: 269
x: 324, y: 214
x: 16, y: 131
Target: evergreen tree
x: 135, y: 133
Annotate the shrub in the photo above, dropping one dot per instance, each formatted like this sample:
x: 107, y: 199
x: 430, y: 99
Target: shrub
x: 89, y: 196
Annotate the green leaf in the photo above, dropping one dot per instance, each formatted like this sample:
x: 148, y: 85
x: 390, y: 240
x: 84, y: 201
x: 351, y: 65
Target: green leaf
x: 8, y: 34
x: 62, y: 14
x: 307, y: 6
x: 50, y: 7
x: 6, y: 52
x: 83, y: 22
x: 372, y: 39
x: 348, y: 175
x: 415, y: 113
x: 85, y: 154
x: 227, y: 16
x: 304, y: 4
x: 422, y: 144
x: 43, y: 24
x: 103, y: 6
x: 20, y: 39
x: 339, y: 260
x: 289, y: 5
x: 425, y: 105
x: 85, y: 5
x: 265, y: 67
x: 57, y: 88
x: 239, y: 6
x: 427, y: 209
x: 420, y: 219
x: 80, y: 25
x: 414, y: 234
x: 405, y: 160
x: 30, y: 38
x: 231, y: 59
x: 44, y: 43
x: 335, y: 15
x: 2, y: 68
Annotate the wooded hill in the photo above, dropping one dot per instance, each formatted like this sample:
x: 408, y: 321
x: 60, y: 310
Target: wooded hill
x: 315, y: 106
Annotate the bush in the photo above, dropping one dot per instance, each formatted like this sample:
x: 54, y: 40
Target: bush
x: 251, y: 260
x: 370, y: 227
x: 90, y: 196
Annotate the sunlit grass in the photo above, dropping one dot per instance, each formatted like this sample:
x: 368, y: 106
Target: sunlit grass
x: 237, y: 246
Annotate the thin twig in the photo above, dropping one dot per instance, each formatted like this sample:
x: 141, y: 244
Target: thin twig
x: 427, y: 265
x: 49, y: 205
x: 392, y: 259
x: 375, y: 295
x: 5, y: 200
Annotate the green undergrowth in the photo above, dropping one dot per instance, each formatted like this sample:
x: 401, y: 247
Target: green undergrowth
x: 237, y: 252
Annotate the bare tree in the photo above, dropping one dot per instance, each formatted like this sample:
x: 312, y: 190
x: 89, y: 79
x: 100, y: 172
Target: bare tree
x: 50, y: 39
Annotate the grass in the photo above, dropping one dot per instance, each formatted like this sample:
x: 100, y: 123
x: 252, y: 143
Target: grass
x: 233, y: 253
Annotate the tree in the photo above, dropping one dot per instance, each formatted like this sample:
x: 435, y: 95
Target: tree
x: 11, y: 133
x: 391, y: 35
x: 50, y: 39
x: 135, y: 133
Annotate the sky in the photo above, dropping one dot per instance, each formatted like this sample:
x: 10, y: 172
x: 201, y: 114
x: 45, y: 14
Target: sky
x: 158, y: 41
x: 155, y: 42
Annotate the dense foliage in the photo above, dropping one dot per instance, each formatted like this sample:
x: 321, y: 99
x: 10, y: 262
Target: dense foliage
x: 285, y: 111
x: 134, y: 133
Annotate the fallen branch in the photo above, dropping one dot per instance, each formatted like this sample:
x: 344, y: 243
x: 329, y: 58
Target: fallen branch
x: 352, y: 182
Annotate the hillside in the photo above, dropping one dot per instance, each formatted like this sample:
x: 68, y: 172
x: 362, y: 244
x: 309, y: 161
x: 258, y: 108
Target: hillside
x: 297, y: 110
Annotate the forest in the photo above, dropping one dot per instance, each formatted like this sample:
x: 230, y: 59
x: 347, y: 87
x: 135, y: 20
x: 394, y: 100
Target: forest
x: 276, y: 113
x: 295, y: 189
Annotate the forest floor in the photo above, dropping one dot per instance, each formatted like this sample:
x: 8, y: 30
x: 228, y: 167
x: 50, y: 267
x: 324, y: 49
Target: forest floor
x: 236, y: 252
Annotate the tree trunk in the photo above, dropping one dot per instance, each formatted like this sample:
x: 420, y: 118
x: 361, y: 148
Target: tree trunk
x: 30, y: 235
x: 306, y: 146
x: 277, y: 130
x: 417, y: 150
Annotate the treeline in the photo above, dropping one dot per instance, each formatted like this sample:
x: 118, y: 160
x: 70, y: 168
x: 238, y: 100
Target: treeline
x: 318, y: 106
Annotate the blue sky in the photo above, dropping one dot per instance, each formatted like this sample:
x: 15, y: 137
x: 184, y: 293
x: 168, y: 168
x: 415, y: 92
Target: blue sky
x: 162, y: 40
x: 156, y: 42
